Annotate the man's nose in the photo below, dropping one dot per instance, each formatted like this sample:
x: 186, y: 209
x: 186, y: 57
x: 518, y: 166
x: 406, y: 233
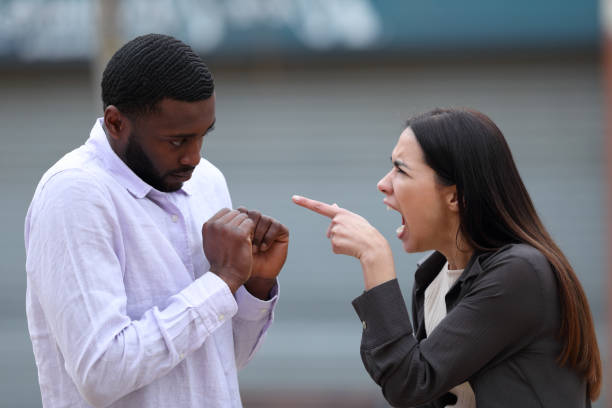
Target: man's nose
x: 191, y: 156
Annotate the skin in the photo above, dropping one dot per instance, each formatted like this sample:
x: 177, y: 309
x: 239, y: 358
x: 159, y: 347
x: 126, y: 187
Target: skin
x: 163, y: 148
x: 430, y: 211
x: 157, y: 146
x: 246, y: 248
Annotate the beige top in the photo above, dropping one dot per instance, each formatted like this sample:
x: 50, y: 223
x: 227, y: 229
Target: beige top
x: 435, y: 311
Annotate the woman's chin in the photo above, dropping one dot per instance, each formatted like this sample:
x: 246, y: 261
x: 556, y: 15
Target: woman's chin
x: 411, y: 246
x: 408, y: 247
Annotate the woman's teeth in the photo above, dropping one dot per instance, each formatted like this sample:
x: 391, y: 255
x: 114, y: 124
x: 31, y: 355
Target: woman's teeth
x: 399, y: 229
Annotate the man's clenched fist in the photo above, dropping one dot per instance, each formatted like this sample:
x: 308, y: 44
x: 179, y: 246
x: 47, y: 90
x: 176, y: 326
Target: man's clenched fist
x: 270, y: 244
x: 227, y: 238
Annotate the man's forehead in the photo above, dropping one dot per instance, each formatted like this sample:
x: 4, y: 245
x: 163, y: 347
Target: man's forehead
x: 177, y: 114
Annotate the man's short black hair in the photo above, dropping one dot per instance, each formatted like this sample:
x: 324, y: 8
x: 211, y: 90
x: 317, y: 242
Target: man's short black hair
x: 153, y: 67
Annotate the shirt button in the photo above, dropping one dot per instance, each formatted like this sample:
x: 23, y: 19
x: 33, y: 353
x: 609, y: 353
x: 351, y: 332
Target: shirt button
x: 364, y: 325
x: 181, y: 356
x: 221, y: 317
x: 174, y: 218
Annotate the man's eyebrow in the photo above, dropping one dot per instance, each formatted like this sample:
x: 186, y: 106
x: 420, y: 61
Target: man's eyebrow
x: 184, y: 135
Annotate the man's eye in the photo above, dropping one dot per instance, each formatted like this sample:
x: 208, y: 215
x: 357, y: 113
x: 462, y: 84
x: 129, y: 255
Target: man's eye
x: 400, y: 170
x: 177, y: 143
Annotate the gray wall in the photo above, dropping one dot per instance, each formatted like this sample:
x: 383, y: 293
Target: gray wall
x: 326, y: 134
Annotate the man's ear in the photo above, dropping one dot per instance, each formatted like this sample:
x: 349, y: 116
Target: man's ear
x: 117, y: 124
x: 452, y: 200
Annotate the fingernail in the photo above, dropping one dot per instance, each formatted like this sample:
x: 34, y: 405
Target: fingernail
x: 296, y: 197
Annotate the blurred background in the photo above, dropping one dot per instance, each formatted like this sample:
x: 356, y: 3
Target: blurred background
x: 311, y: 97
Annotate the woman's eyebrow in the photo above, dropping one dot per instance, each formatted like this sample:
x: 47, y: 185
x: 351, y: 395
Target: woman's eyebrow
x: 399, y: 163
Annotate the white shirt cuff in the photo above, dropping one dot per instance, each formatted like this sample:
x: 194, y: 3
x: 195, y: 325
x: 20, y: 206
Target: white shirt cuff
x: 211, y: 297
x: 252, y: 308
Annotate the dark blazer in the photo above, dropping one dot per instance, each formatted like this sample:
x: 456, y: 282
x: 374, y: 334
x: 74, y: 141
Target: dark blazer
x: 500, y: 334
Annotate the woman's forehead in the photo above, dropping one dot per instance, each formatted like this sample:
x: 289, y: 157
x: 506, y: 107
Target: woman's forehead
x: 407, y: 146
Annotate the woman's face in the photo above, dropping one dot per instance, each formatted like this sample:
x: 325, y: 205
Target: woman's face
x: 424, y: 204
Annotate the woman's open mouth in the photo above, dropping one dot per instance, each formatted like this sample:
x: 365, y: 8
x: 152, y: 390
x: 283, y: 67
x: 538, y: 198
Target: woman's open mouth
x: 400, y: 230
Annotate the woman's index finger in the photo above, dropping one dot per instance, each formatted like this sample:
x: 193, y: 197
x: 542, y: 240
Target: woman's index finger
x: 316, y: 206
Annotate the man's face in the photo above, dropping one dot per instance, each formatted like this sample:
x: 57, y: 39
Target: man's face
x: 164, y: 147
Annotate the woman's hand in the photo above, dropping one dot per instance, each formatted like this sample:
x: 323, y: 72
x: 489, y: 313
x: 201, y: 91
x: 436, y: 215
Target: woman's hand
x: 351, y: 234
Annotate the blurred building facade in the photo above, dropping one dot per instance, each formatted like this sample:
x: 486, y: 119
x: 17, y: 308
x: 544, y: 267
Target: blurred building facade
x: 238, y: 30
x: 311, y: 98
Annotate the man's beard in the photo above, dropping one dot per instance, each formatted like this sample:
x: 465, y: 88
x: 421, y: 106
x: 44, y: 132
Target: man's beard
x: 137, y: 160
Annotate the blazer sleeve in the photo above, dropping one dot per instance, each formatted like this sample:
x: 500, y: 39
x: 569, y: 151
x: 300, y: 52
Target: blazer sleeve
x: 502, y: 308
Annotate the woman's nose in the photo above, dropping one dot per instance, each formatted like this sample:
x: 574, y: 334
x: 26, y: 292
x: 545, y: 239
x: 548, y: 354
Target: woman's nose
x: 384, y: 185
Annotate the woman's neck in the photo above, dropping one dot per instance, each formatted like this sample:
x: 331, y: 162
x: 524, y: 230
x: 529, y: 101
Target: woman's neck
x: 458, y: 253
x: 459, y: 259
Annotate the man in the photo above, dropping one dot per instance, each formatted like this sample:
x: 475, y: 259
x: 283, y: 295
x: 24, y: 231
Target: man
x: 143, y: 288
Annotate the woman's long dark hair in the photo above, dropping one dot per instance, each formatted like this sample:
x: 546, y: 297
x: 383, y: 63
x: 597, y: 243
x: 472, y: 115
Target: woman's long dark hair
x: 466, y: 149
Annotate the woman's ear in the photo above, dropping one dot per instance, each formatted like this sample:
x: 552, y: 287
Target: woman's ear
x: 452, y: 200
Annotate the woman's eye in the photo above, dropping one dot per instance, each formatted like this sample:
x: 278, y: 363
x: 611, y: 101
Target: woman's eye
x: 400, y: 170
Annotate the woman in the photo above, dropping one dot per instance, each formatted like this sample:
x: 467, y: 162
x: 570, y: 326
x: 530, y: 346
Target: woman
x: 500, y: 319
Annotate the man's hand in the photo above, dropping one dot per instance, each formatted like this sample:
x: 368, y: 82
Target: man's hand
x: 270, y: 244
x: 226, y: 238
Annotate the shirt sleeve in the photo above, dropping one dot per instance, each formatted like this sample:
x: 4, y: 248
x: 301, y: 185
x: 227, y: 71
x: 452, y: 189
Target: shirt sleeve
x: 254, y: 315
x: 503, y: 308
x: 251, y: 323
x: 72, y: 241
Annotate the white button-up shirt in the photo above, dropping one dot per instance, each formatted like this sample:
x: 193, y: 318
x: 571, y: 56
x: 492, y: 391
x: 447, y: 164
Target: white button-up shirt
x: 122, y: 310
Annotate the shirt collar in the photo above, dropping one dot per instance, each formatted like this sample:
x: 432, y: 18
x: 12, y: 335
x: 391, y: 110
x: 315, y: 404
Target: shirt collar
x: 188, y: 185
x: 122, y: 173
x: 430, y: 266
